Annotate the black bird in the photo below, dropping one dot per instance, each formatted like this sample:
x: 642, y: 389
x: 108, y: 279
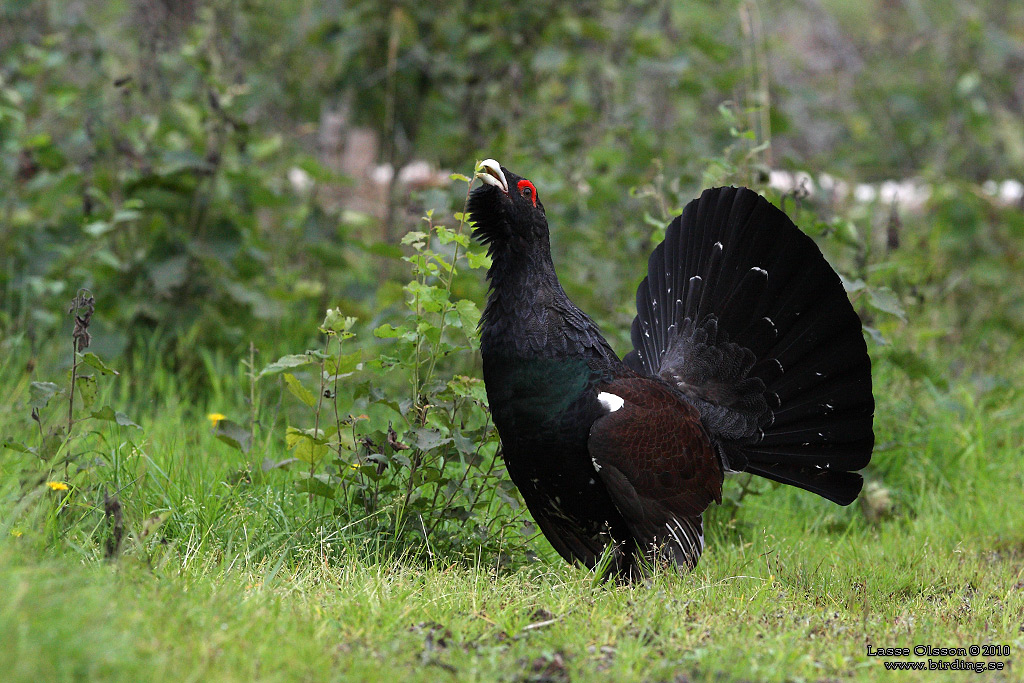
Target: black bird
x: 747, y: 357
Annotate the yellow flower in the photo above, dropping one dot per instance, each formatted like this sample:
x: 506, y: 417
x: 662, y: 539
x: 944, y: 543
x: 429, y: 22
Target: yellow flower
x: 214, y: 418
x: 17, y: 533
x: 57, y: 485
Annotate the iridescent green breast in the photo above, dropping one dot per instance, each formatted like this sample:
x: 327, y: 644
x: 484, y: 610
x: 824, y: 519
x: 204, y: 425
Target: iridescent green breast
x: 536, y: 394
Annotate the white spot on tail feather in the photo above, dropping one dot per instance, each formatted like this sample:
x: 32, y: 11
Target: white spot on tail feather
x: 611, y: 402
x: 760, y: 270
x: 597, y: 468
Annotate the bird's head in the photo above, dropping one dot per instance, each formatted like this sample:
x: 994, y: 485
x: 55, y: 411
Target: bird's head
x: 506, y: 209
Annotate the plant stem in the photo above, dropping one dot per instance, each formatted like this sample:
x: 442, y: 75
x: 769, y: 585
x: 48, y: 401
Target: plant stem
x: 316, y: 420
x: 71, y: 393
x: 448, y: 288
x: 252, y: 392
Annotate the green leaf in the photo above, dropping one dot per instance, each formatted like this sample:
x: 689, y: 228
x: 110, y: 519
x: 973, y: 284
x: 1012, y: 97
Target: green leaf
x: 428, y: 439
x: 471, y: 387
x: 52, y: 444
x: 335, y: 321
x: 846, y: 232
x: 293, y: 435
x: 262, y: 149
x: 876, y: 336
x: 306, y: 446
x: 283, y: 363
x: 414, y: 237
x: 169, y: 274
x: 343, y: 365
x: 40, y: 393
x: 17, y: 446
x: 478, y: 259
x: 153, y: 523
x: 507, y: 499
x: 386, y: 331
x: 885, y: 300
x: 655, y: 223
x: 431, y: 298
x: 316, y: 486
x: 298, y: 391
x: 854, y: 286
x: 459, y: 176
x: 262, y: 306
x: 92, y: 359
x: 126, y: 216
x: 469, y: 314
x: 233, y: 434
x: 447, y: 235
x: 87, y: 387
x: 109, y: 415
x: 97, y: 228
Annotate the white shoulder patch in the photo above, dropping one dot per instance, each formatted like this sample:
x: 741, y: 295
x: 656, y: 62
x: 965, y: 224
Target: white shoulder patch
x: 611, y: 402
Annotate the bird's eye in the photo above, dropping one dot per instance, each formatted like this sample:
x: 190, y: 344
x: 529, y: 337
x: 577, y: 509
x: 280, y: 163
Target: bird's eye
x: 527, y: 189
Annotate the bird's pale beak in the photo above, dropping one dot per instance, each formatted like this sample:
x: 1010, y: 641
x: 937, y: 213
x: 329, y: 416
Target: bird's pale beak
x: 489, y: 171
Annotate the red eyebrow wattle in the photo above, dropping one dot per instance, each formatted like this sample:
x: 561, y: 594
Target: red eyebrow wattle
x: 533, y: 190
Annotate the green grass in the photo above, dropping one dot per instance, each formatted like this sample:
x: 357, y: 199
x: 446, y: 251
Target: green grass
x: 226, y: 572
x: 248, y: 581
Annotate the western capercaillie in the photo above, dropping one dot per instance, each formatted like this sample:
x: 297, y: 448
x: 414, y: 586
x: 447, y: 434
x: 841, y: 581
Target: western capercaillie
x: 747, y: 357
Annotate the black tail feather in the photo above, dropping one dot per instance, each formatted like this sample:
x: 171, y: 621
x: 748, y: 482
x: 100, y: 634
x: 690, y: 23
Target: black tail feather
x: 743, y: 313
x: 839, y: 487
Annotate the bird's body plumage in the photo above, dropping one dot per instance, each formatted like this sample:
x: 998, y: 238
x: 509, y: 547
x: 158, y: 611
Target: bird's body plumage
x: 733, y: 368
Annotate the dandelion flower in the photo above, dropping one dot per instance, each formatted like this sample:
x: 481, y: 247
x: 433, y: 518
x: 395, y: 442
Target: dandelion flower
x: 57, y: 485
x: 214, y: 418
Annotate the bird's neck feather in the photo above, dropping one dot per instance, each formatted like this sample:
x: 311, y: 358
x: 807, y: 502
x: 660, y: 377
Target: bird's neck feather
x: 525, y: 296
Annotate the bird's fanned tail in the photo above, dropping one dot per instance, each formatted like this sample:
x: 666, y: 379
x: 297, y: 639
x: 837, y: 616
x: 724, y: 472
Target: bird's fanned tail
x: 742, y: 313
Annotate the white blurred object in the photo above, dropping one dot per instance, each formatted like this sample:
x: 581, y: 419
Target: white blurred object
x: 382, y: 174
x: 864, y: 193
x: 781, y: 181
x: 1011, y: 192
x: 301, y: 181
x: 416, y: 173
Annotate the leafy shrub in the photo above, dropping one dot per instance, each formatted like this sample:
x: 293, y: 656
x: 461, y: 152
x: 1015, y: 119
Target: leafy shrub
x: 394, y: 440
x: 155, y: 191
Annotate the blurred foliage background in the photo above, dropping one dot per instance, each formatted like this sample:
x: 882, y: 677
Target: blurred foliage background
x: 218, y: 173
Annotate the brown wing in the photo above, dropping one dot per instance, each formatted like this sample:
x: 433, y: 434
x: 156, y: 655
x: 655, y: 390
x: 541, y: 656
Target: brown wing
x: 658, y: 464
